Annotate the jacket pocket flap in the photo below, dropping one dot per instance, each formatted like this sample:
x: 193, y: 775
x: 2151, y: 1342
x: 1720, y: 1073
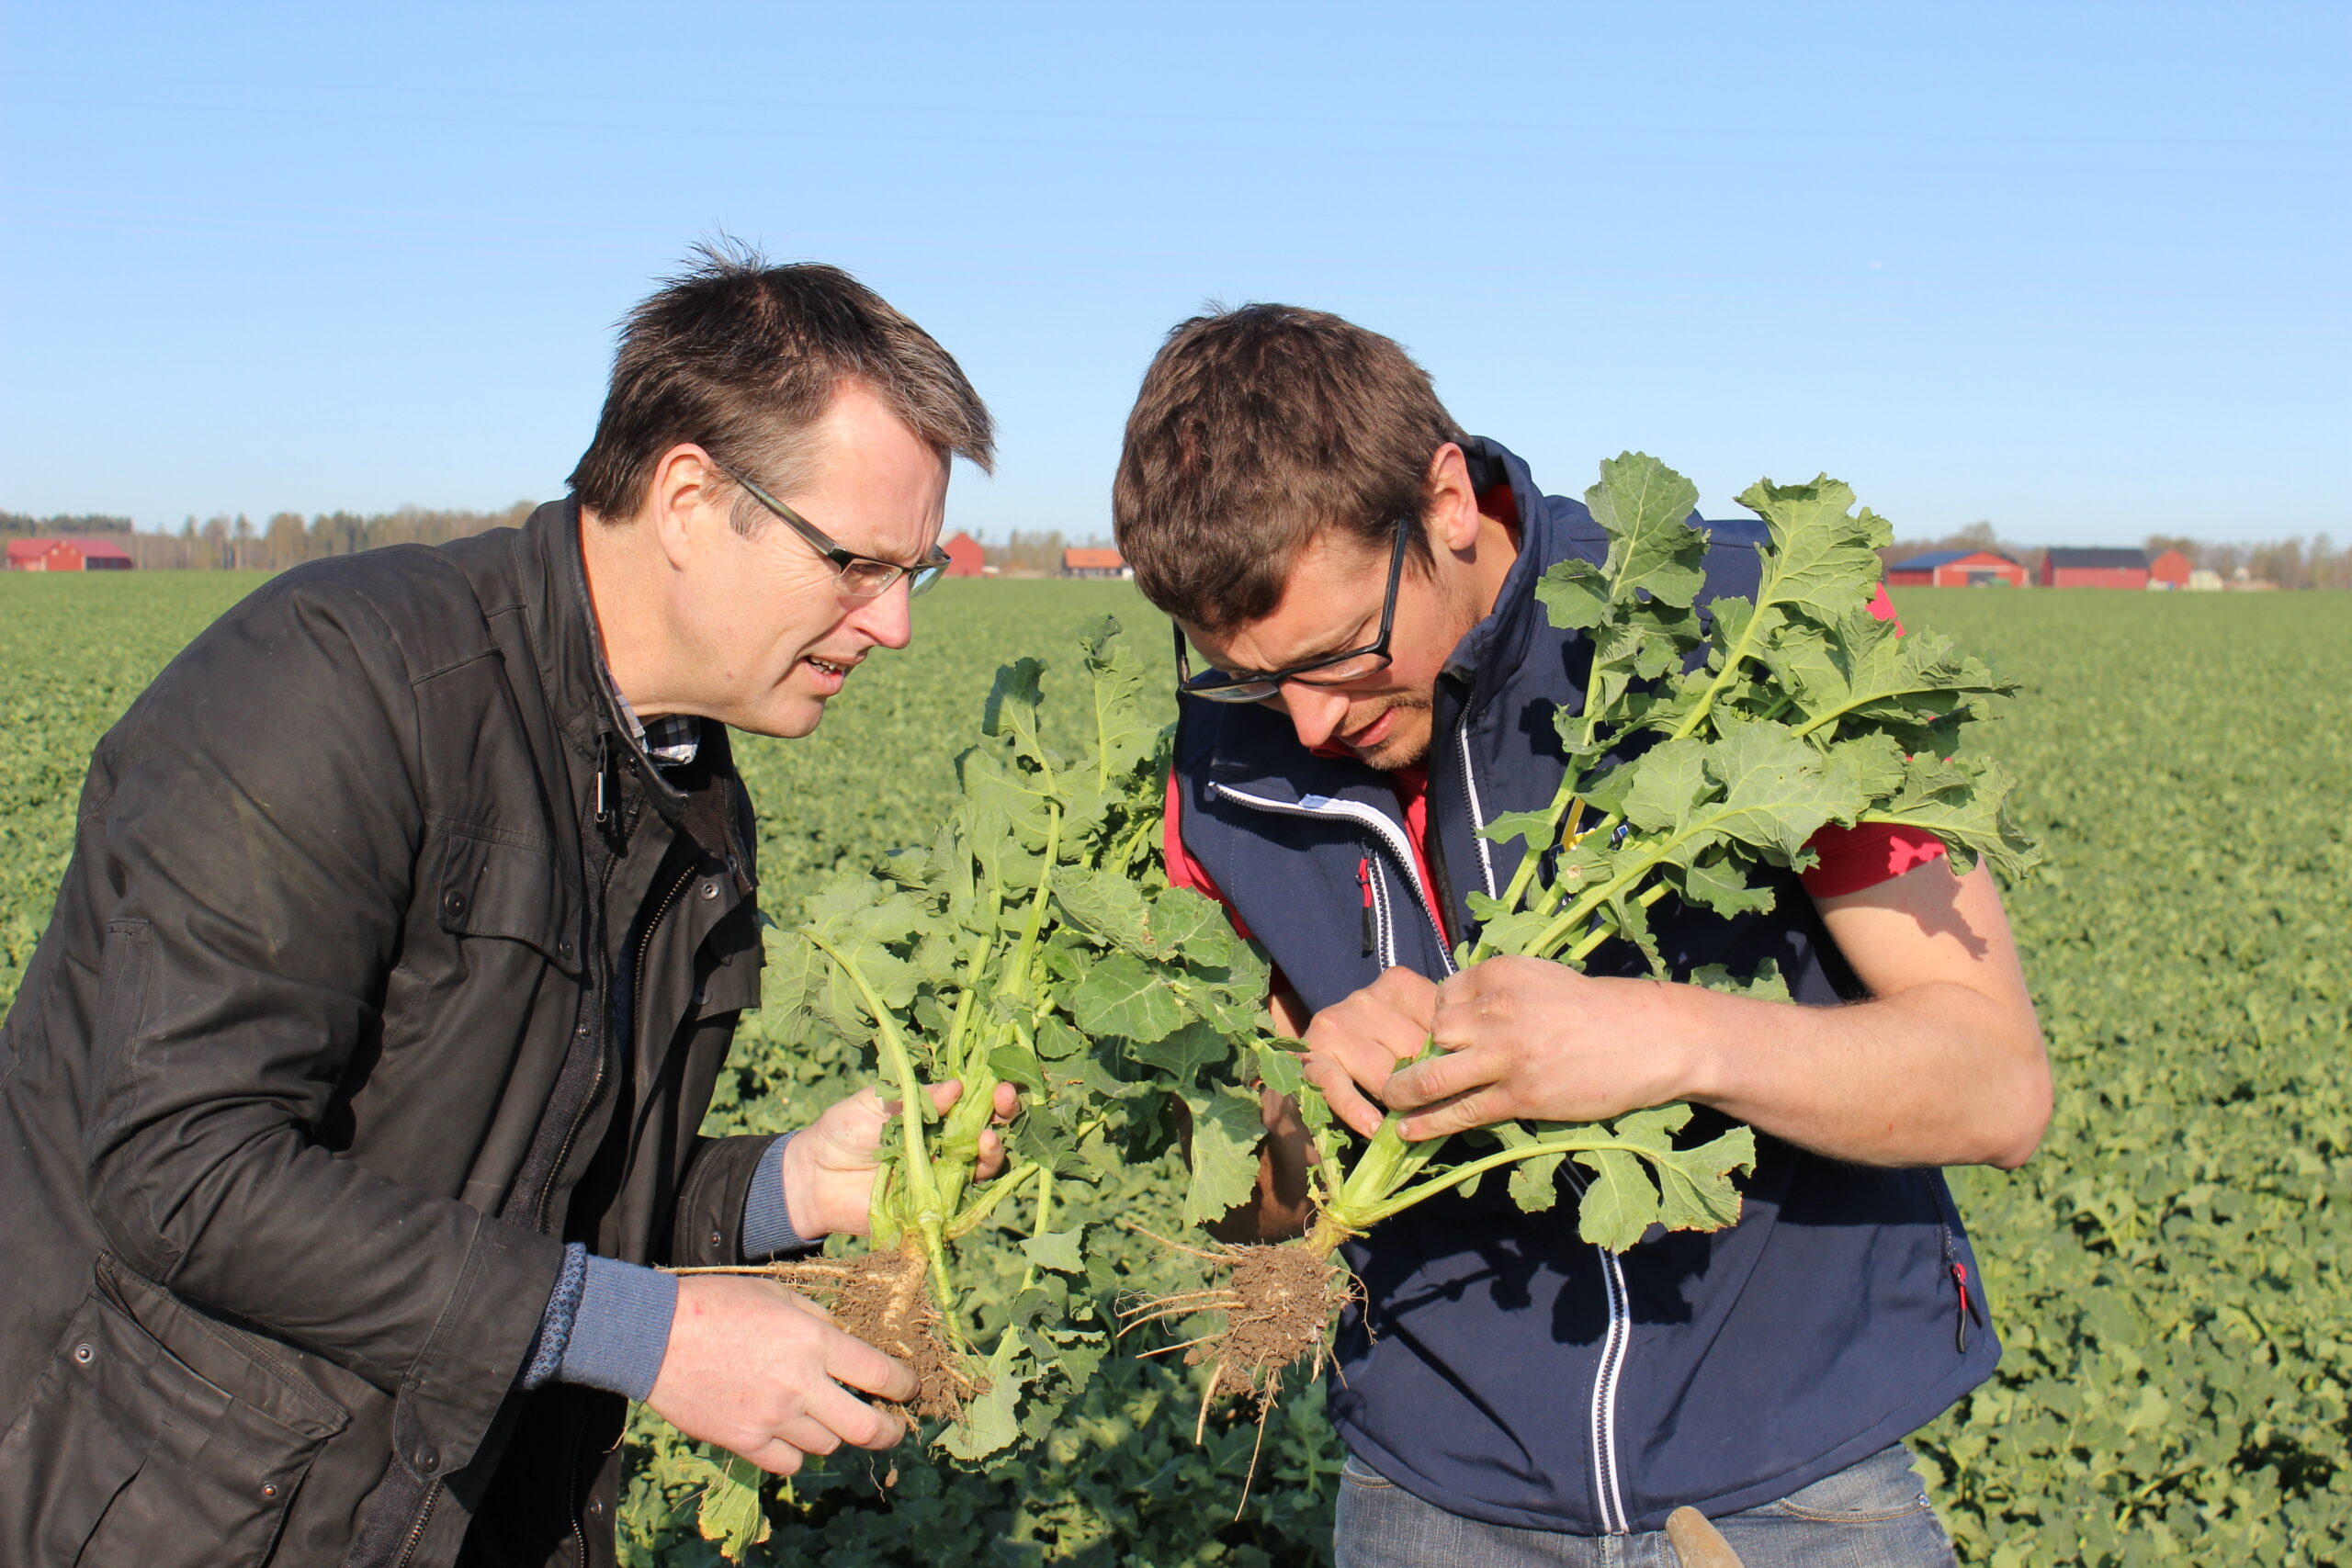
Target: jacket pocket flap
x: 221, y: 1356
x: 498, y: 889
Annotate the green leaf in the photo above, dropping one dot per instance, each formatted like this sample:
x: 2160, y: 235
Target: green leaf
x: 1012, y: 703
x: 1765, y: 983
x: 1695, y: 1189
x: 1645, y: 507
x: 1061, y: 1251
x: 1534, y: 1183
x: 1535, y: 827
x: 730, y: 1515
x: 1228, y: 1126
x: 992, y: 1421
x: 1015, y: 1065
x: 1718, y: 882
x: 1824, y: 563
x: 1618, y: 1204
x: 1125, y: 996
x: 1124, y: 736
x: 1662, y: 787
x: 1183, y: 1053
x: 1106, y: 904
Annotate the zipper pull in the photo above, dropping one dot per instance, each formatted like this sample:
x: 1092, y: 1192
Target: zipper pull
x: 603, y: 771
x: 1959, y: 1334
x: 1364, y: 884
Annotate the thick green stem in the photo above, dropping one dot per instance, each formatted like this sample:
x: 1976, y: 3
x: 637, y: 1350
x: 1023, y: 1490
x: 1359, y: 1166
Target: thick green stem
x: 921, y: 1187
x: 1562, y: 1142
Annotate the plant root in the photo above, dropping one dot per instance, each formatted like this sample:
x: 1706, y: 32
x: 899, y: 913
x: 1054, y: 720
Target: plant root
x: 883, y: 1298
x: 1278, y: 1304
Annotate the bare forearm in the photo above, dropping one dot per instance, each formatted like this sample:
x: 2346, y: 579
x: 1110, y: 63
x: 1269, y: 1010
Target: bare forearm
x: 1937, y: 1074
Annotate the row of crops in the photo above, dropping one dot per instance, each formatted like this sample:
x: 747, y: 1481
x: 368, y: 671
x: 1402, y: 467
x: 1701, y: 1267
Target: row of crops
x: 2169, y: 1272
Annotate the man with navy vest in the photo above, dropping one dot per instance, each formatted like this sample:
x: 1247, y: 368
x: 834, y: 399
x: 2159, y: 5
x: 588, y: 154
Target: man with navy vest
x: 1355, y: 578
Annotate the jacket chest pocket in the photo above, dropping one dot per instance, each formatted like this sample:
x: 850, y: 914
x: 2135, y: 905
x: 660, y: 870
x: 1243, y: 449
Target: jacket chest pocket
x: 154, y: 1439
x: 492, y: 887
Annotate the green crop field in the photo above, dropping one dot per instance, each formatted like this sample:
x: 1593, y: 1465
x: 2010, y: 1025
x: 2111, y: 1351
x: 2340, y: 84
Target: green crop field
x: 2170, y: 1272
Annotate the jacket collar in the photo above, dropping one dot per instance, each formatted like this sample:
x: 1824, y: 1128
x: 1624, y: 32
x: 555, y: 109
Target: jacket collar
x: 553, y: 580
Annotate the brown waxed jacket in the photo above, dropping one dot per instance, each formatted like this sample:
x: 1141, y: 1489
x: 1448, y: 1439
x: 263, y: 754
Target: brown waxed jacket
x: 316, y: 1067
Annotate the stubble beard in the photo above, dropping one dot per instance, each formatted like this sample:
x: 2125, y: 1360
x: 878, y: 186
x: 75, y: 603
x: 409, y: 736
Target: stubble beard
x: 1403, y: 750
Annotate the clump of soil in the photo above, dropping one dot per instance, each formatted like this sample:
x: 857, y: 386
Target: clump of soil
x: 1277, y: 1303
x: 883, y: 1298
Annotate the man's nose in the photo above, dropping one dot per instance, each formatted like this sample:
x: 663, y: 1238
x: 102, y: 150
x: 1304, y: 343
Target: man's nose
x: 1314, y: 715
x: 888, y: 618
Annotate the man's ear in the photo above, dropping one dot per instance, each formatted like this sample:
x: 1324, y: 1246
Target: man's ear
x: 687, y: 499
x: 1452, y: 514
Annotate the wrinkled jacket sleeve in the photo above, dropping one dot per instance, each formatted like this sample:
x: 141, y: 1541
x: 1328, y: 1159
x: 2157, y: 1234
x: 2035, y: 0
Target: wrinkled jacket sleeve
x: 709, y: 1227
x: 258, y: 815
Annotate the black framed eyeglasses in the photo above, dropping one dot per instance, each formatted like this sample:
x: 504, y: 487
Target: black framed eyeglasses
x: 860, y: 577
x: 1333, y: 670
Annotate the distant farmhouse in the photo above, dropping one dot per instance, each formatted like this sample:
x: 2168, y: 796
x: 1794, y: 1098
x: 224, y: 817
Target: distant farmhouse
x: 1095, y: 563
x: 66, y: 555
x: 1956, y: 569
x: 2064, y: 568
x: 964, y: 557
x: 2171, y: 569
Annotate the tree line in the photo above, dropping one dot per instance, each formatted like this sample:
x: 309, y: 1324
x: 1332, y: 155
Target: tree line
x: 225, y: 543
x: 289, y: 539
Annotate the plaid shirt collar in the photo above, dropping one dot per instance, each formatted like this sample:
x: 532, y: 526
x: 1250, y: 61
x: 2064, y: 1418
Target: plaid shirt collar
x: 671, y: 739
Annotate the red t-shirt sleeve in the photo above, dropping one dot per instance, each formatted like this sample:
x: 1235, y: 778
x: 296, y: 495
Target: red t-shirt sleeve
x: 1856, y: 858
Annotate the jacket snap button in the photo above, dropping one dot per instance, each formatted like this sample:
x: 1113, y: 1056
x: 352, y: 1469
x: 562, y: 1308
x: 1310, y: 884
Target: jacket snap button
x: 710, y: 889
x: 427, y: 1461
x: 269, y: 1489
x: 565, y: 947
x: 715, y: 1238
x: 84, y: 1354
x: 595, y: 1507
x: 454, y: 902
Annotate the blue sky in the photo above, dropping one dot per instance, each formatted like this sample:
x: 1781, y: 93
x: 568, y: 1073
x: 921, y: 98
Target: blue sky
x: 2077, y: 269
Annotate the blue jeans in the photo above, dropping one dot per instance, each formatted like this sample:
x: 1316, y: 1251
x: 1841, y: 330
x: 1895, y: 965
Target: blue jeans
x: 1870, y: 1515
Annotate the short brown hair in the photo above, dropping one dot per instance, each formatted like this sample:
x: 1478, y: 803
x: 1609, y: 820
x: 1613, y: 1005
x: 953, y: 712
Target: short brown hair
x: 1255, y: 428
x: 743, y: 358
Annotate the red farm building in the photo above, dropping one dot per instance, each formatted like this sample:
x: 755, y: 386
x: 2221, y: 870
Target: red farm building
x: 2170, y: 569
x: 1955, y: 568
x: 66, y: 555
x: 1095, y: 563
x: 965, y: 557
x: 2094, y: 568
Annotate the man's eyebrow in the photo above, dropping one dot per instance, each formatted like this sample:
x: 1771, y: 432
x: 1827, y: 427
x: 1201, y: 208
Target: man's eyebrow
x: 1329, y: 646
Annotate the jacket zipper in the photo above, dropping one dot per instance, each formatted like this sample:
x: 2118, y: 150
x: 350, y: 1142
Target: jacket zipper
x: 645, y: 946
x: 1969, y: 1308
x: 1364, y: 886
x: 417, y: 1530
x: 1389, y: 835
x: 1608, y: 1376
x: 1478, y: 814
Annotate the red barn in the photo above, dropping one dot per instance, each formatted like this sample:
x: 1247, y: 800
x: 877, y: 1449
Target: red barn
x: 1955, y: 568
x: 2094, y: 568
x: 2171, y: 568
x: 1095, y: 563
x: 964, y: 557
x: 66, y: 555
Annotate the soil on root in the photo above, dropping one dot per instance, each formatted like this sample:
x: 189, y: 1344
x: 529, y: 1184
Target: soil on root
x: 1278, y: 1304
x: 883, y: 1298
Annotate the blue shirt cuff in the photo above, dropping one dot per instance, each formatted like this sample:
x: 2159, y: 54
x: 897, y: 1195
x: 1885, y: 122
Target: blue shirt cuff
x: 546, y: 1355
x: 768, y: 1230
x: 622, y: 1329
